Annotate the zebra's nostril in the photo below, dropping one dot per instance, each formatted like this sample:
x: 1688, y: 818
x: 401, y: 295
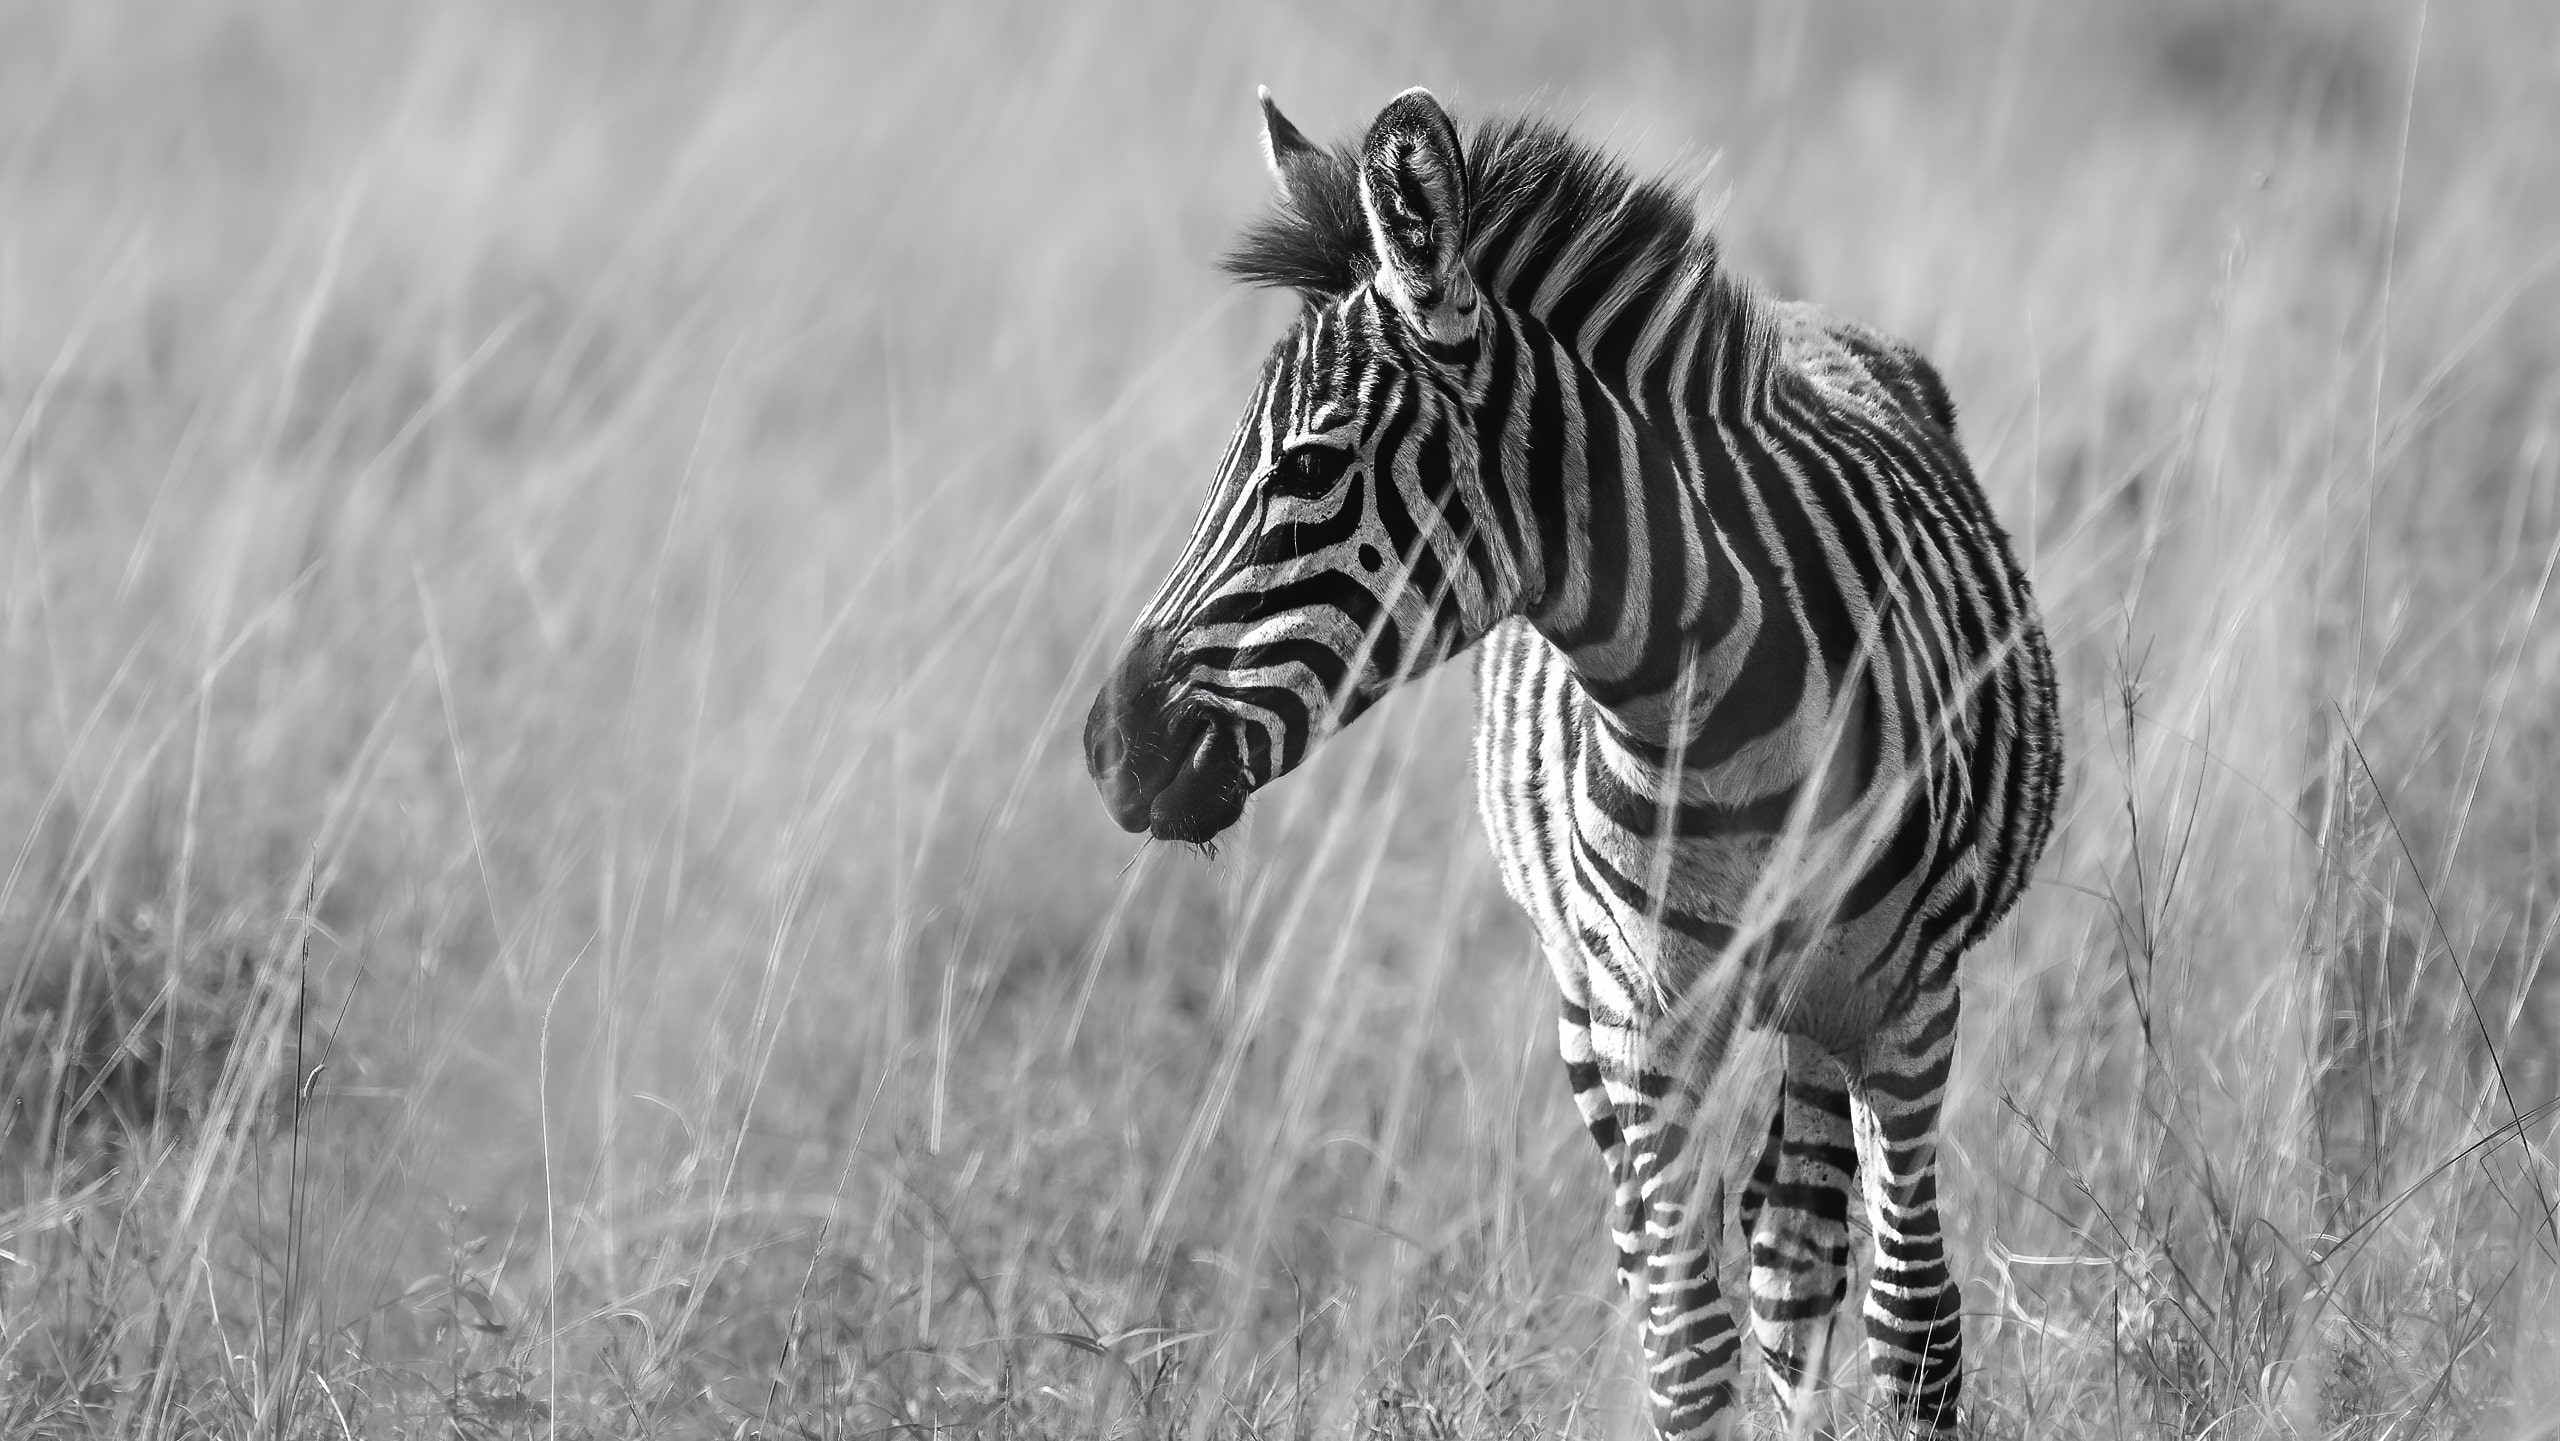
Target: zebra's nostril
x: 1124, y: 766
x: 1105, y: 744
x: 1370, y: 560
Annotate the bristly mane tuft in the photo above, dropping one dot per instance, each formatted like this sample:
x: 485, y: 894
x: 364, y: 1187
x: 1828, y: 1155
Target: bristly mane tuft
x: 1316, y: 240
x: 1536, y: 193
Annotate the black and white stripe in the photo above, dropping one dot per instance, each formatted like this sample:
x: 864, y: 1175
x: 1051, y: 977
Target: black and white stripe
x: 1767, y: 734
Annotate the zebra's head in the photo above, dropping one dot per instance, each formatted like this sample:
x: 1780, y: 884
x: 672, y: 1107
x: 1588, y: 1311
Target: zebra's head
x: 1341, y: 549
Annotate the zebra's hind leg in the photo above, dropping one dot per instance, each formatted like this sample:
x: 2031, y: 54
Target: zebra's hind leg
x: 1914, y: 1334
x: 1600, y: 1117
x: 1799, y: 1228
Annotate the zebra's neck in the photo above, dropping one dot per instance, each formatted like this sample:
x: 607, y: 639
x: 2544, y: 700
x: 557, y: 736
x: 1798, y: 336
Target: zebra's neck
x: 1622, y: 426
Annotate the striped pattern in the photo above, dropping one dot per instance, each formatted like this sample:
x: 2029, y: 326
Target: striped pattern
x: 1767, y: 733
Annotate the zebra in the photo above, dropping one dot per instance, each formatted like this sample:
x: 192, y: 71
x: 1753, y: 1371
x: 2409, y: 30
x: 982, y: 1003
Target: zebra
x: 1766, y: 732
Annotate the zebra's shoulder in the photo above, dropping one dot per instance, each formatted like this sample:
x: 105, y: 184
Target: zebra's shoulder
x: 1862, y: 364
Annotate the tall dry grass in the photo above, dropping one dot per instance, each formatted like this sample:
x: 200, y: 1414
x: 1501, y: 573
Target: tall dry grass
x: 549, y: 560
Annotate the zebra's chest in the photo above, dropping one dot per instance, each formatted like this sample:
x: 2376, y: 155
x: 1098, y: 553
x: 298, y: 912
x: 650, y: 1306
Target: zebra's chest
x: 1735, y: 906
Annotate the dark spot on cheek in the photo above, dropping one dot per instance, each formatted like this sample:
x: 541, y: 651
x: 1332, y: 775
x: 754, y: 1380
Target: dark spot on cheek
x: 1369, y: 559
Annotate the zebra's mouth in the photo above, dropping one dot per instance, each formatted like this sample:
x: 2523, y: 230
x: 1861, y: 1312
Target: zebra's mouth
x: 1207, y: 790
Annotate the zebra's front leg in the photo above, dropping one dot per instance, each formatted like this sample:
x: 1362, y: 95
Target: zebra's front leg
x: 1600, y: 1118
x: 1691, y: 1345
x: 1914, y: 1331
x: 1796, y: 1215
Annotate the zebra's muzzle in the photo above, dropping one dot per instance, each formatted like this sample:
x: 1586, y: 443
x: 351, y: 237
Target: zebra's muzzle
x: 1188, y: 789
x: 1176, y: 773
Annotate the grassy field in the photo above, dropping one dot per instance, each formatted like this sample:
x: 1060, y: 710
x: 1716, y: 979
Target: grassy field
x: 551, y: 559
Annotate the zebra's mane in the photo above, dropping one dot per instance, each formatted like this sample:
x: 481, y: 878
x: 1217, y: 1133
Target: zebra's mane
x: 1543, y: 208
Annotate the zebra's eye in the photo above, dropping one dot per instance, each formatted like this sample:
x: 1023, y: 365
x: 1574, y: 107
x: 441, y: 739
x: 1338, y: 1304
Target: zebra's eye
x: 1309, y: 471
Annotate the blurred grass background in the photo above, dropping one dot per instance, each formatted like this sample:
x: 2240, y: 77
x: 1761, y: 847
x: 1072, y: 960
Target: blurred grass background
x: 551, y: 558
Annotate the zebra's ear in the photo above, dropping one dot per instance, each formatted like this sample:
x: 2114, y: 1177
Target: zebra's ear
x: 1413, y: 184
x: 1293, y: 158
